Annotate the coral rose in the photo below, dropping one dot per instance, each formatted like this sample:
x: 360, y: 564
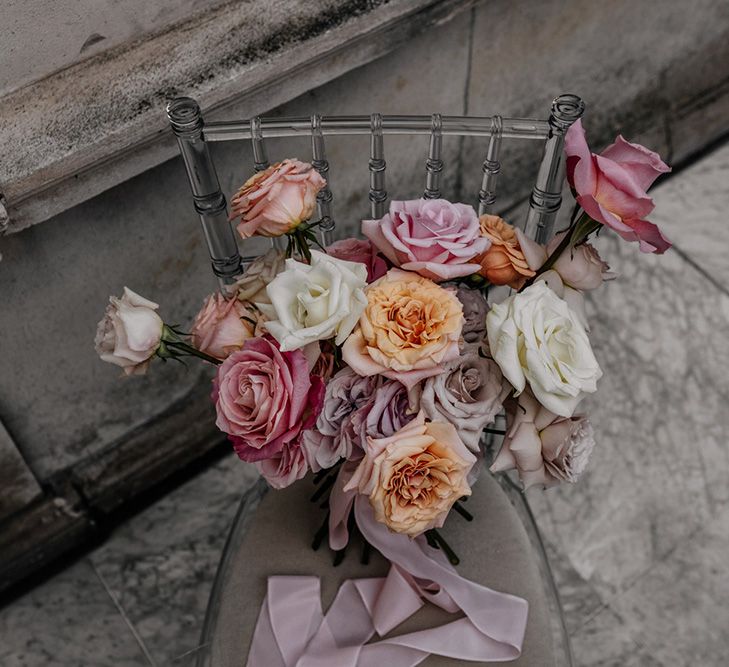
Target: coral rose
x: 504, y: 262
x: 222, y: 326
x: 356, y: 250
x: 432, y: 237
x: 413, y: 477
x: 611, y: 187
x: 409, y: 327
x: 130, y: 332
x: 277, y: 200
x: 545, y: 449
x: 263, y: 397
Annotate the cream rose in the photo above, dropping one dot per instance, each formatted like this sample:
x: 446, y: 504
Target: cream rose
x: 130, y: 332
x: 315, y: 302
x: 413, y: 477
x: 409, y: 328
x: 536, y: 337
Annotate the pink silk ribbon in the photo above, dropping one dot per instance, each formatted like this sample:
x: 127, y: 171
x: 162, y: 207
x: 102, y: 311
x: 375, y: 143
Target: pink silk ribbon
x: 292, y: 630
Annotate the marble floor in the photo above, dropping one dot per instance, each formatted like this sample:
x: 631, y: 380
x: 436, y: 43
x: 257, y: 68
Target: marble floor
x: 638, y: 547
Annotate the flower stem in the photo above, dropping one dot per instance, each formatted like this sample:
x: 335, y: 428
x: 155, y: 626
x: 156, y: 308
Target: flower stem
x: 440, y: 541
x: 191, y: 351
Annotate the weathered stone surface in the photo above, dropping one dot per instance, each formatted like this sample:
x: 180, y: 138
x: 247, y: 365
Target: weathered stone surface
x: 17, y: 483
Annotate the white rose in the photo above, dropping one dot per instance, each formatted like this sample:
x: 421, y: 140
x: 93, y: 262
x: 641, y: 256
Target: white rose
x: 536, y: 337
x: 130, y: 332
x: 315, y: 302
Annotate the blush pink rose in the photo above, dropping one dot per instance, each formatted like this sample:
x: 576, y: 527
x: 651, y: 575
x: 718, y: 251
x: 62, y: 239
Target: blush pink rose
x: 263, y: 396
x: 222, y: 326
x: 432, y: 237
x: 611, y: 187
x: 277, y: 200
x: 356, y: 250
x: 544, y: 448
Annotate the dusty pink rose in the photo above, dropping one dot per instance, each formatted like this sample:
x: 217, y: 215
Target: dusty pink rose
x: 222, y: 326
x: 611, y: 187
x: 290, y: 464
x: 276, y: 200
x: 409, y: 327
x: 475, y: 309
x: 356, y: 250
x: 130, y: 332
x: 544, y: 448
x: 413, y: 477
x: 432, y: 237
x: 263, y: 396
x: 580, y: 268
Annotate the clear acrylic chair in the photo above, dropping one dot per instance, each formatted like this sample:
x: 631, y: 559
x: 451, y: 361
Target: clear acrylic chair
x: 514, y: 554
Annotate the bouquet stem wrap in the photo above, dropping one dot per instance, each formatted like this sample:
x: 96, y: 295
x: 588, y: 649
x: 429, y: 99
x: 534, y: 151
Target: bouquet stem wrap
x: 292, y: 630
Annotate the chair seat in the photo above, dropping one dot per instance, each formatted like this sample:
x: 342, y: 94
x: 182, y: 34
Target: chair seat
x: 494, y: 549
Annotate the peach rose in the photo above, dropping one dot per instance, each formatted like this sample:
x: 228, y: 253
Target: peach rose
x: 222, y: 326
x: 276, y: 200
x: 409, y: 327
x: 413, y: 477
x: 503, y: 263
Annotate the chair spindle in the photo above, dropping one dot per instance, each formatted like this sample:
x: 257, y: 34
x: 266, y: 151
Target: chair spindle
x: 377, y: 166
x: 187, y: 124
x: 491, y: 168
x: 546, y: 197
x: 324, y: 196
x: 434, y: 163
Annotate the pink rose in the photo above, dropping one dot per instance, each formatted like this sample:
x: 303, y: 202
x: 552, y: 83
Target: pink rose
x: 222, y: 326
x: 263, y: 396
x: 611, y: 187
x: 432, y: 237
x: 290, y: 464
x: 276, y: 200
x: 545, y: 449
x: 355, y: 250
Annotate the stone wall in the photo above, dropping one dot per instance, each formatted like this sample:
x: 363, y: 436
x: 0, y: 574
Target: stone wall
x: 658, y: 71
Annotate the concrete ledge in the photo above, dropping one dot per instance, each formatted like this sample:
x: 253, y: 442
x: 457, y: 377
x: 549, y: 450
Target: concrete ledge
x: 87, y: 128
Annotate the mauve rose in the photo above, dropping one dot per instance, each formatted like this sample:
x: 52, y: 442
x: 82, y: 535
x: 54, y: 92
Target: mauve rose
x: 432, y: 237
x: 356, y: 250
x: 251, y: 286
x: 130, y: 332
x: 611, y: 187
x: 277, y: 200
x: 413, y: 477
x: 475, y: 309
x: 262, y: 396
x: 345, y: 393
x: 468, y: 394
x: 222, y: 326
x: 543, y: 447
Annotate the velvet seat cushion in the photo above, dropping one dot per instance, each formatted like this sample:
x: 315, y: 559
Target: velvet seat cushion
x: 494, y: 549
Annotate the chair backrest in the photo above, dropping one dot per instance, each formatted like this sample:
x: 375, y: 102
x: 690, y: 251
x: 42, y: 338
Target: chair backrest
x: 193, y: 136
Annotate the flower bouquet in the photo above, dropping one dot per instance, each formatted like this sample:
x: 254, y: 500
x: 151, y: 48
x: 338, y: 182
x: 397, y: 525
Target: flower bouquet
x: 379, y: 364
